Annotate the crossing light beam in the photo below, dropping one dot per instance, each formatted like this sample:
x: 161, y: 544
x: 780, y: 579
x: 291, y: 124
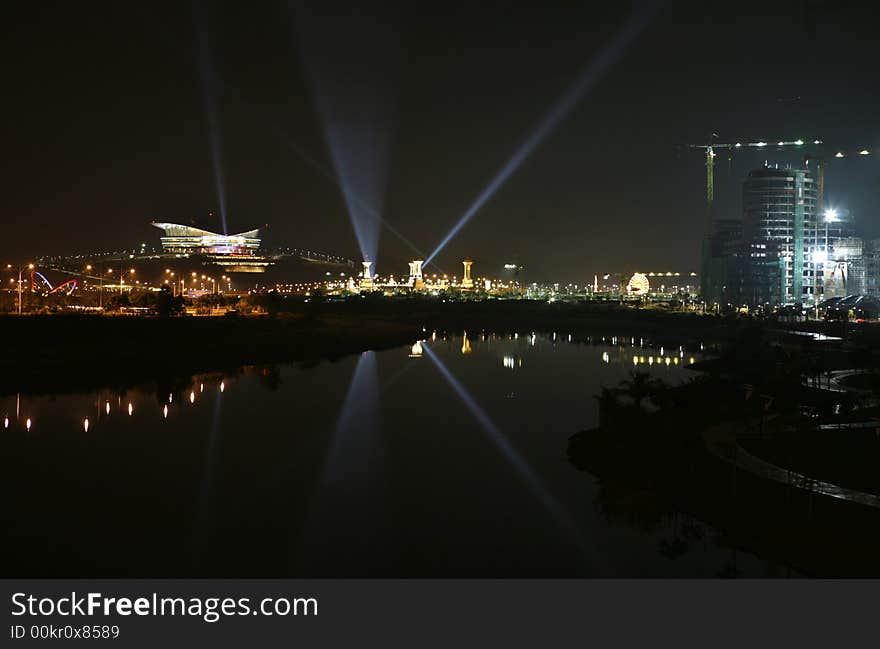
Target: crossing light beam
x: 585, y: 81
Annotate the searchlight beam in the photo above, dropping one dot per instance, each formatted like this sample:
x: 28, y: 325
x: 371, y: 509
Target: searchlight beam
x: 575, y: 93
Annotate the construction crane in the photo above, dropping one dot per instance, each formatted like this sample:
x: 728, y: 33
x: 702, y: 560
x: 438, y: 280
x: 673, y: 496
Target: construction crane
x: 710, y: 160
x: 820, y: 171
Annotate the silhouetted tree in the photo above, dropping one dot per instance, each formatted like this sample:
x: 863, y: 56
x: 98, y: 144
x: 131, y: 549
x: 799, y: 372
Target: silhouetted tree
x: 638, y: 387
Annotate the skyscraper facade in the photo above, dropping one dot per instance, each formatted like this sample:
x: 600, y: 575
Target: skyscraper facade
x: 781, y: 260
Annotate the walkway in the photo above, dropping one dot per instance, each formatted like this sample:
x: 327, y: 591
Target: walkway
x: 721, y: 441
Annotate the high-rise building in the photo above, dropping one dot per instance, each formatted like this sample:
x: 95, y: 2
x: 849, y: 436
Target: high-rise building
x: 871, y: 262
x: 779, y: 237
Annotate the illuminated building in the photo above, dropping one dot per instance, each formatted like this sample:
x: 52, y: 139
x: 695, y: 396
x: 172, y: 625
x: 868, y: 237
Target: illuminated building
x: 235, y: 253
x: 415, y: 274
x: 367, y: 278
x: 772, y: 256
x: 466, y: 281
x: 779, y: 209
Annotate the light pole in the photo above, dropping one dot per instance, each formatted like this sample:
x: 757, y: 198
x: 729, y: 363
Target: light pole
x: 101, y: 293
x: 20, y: 271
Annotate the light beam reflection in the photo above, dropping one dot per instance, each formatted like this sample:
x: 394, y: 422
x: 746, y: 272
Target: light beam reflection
x: 204, y: 518
x: 585, y: 81
x: 348, y: 501
x: 516, y: 461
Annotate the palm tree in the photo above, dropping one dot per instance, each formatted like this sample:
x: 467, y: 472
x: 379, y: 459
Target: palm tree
x: 639, y: 386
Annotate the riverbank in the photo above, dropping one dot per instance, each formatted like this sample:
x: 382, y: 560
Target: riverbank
x: 63, y: 352
x: 666, y: 453
x: 72, y: 353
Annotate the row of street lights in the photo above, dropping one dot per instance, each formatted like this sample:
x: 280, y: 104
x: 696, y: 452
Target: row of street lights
x: 131, y: 273
x: 171, y: 279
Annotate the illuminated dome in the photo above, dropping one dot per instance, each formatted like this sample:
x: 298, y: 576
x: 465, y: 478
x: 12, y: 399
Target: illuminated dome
x: 638, y: 284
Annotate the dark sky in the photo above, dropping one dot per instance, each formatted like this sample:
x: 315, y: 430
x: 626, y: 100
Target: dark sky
x: 104, y: 124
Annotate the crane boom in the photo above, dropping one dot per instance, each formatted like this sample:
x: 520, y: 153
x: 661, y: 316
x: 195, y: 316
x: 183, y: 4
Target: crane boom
x: 710, y: 161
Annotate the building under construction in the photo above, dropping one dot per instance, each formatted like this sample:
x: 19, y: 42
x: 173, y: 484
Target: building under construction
x: 772, y: 256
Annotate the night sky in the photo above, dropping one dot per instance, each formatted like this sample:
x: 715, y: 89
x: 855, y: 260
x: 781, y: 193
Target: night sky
x: 106, y: 123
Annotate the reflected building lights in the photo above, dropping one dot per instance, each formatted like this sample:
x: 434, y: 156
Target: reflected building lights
x: 192, y: 396
x: 165, y: 411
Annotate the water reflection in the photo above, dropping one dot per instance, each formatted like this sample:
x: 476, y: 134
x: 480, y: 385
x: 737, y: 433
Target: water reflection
x: 512, y: 456
x: 349, y: 496
x: 374, y: 464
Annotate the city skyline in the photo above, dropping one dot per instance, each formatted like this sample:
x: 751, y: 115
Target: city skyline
x: 109, y: 143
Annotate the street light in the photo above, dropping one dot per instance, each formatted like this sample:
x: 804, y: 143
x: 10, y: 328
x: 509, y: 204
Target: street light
x: 20, y: 271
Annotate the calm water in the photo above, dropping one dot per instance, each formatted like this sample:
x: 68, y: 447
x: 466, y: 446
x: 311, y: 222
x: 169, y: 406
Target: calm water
x: 449, y: 460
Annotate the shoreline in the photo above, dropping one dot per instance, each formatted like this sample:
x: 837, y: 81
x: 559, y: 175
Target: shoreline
x: 60, y: 352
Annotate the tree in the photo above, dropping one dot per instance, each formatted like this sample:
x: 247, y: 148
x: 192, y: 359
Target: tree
x: 639, y: 386
x: 167, y: 304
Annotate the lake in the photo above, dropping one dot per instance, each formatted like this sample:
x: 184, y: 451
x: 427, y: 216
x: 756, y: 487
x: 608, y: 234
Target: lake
x: 445, y: 458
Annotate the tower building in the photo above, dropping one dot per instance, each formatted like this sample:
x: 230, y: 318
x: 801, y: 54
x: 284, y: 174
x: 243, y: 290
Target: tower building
x: 781, y: 262
x: 466, y: 281
x: 415, y: 274
x: 367, y: 278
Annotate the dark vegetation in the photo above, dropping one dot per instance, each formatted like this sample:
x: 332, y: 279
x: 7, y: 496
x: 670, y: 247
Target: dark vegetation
x: 652, y: 461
